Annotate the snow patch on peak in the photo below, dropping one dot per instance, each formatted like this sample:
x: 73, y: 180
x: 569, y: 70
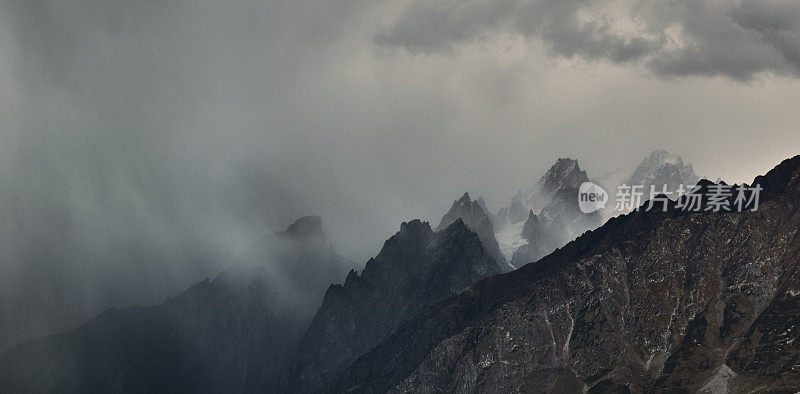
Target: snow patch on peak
x: 510, y: 239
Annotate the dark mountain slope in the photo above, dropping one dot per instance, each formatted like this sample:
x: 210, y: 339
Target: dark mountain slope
x: 651, y: 301
x: 415, y: 268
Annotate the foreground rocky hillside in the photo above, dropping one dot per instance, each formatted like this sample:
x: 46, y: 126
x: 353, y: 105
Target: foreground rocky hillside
x: 651, y: 301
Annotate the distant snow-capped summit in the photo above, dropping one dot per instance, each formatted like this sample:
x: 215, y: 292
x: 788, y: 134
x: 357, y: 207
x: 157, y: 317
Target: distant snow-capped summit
x: 546, y: 216
x: 663, y: 168
x: 565, y: 173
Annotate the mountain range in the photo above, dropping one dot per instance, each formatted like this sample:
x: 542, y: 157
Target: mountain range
x: 651, y: 301
x: 546, y: 216
x: 648, y: 301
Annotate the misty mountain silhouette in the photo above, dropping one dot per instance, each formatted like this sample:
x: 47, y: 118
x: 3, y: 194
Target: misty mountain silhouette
x: 233, y: 333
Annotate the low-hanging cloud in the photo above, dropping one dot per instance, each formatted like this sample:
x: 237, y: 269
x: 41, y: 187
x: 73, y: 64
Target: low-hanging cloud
x: 737, y: 39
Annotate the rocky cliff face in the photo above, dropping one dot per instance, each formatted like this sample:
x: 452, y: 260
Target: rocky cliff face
x: 416, y: 268
x: 232, y: 334
x: 477, y: 219
x: 651, y: 301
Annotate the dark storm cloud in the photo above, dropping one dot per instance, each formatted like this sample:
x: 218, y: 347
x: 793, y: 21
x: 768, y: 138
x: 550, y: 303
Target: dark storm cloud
x: 431, y: 26
x: 670, y: 38
x: 736, y: 39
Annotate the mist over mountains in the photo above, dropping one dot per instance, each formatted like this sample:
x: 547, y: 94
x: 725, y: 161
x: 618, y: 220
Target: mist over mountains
x: 286, y: 325
x: 104, y: 264
x: 152, y: 154
x: 232, y: 333
x: 59, y: 299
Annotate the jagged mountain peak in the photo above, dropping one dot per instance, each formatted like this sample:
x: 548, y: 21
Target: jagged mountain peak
x: 415, y: 268
x: 473, y: 215
x: 663, y: 168
x: 415, y: 227
x: 544, y: 217
x: 458, y: 225
x: 565, y: 172
x: 459, y: 229
x: 532, y: 220
x: 464, y: 208
x: 414, y: 235
x: 305, y: 227
x: 352, y: 275
x: 461, y: 208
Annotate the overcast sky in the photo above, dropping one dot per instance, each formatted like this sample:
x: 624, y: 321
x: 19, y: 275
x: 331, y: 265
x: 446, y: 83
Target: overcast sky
x: 151, y: 142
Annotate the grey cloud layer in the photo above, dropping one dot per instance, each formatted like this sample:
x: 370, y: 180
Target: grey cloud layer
x: 737, y: 39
